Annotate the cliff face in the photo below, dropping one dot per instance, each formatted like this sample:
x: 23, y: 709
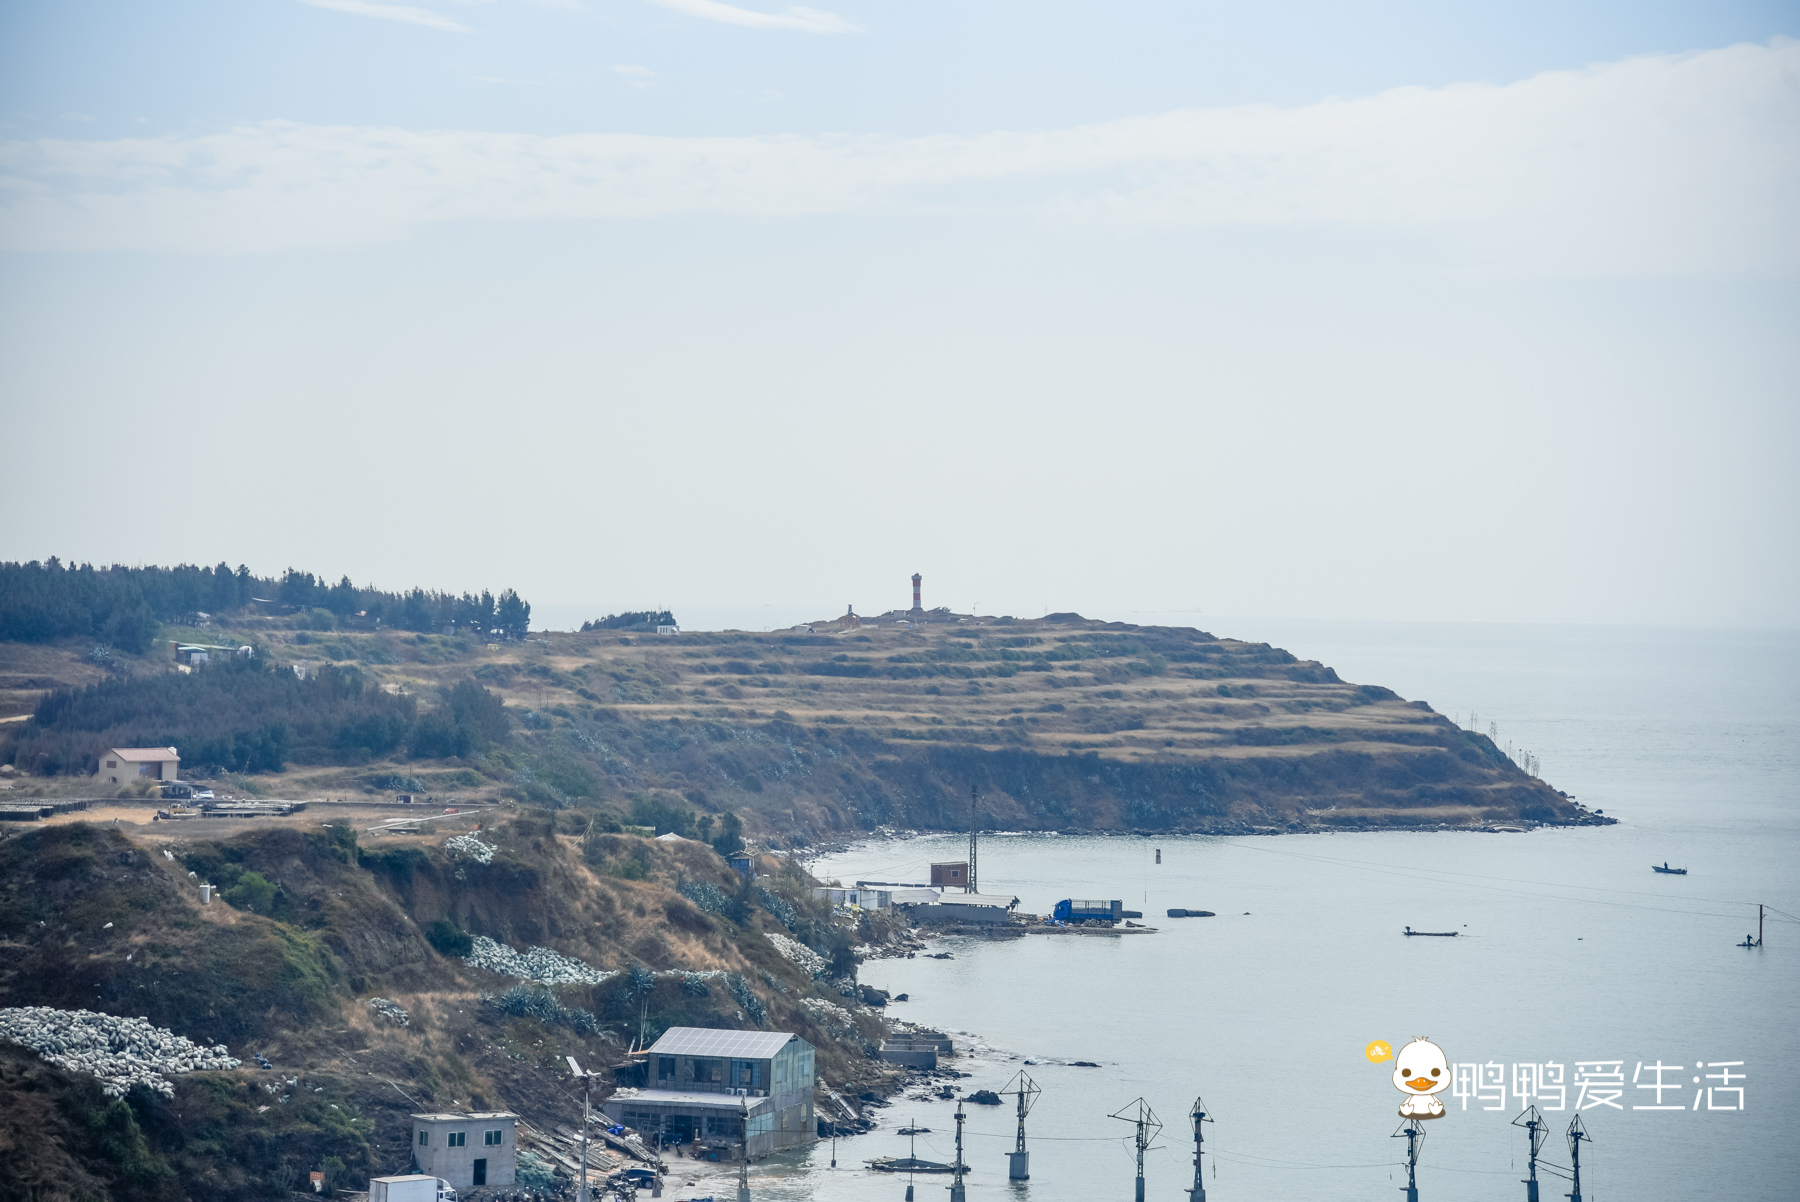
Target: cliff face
x: 1060, y: 723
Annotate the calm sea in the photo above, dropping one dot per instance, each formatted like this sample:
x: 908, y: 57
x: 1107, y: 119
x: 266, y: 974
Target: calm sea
x: 1570, y: 952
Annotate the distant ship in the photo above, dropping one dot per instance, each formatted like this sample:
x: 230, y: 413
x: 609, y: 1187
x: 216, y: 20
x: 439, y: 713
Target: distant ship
x: 1664, y: 867
x: 1434, y: 934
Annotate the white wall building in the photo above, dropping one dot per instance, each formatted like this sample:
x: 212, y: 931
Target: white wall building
x: 467, y: 1149
x: 122, y: 765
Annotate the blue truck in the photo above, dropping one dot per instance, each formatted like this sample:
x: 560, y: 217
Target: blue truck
x: 1079, y: 910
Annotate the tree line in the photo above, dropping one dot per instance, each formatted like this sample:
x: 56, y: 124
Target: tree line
x: 245, y: 715
x: 123, y: 606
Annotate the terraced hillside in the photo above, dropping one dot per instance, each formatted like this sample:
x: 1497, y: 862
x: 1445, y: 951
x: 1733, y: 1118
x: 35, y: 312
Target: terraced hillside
x: 1060, y: 723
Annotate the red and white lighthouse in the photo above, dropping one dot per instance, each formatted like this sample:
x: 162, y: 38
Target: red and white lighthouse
x: 917, y: 580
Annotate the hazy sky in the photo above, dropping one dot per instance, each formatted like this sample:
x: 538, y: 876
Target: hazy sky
x: 1402, y: 310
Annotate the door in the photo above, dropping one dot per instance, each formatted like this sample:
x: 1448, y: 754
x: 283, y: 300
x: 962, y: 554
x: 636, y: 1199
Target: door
x: 481, y: 1171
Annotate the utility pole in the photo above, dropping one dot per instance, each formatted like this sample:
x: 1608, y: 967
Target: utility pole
x: 1019, y: 1161
x: 1537, y: 1130
x: 1148, y: 1127
x: 744, y: 1165
x: 587, y: 1090
x: 1415, y: 1139
x: 1198, y: 1115
x: 957, y: 1193
x: 1577, y: 1133
x: 974, y: 795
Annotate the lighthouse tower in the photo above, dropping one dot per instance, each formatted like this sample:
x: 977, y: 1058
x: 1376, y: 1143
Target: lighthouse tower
x: 918, y: 610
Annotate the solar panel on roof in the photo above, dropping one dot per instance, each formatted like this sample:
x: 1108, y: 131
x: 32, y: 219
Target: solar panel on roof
x: 711, y: 1041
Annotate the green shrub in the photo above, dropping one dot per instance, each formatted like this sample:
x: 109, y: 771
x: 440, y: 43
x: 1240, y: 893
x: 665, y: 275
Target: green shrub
x: 449, y: 939
x: 253, y: 892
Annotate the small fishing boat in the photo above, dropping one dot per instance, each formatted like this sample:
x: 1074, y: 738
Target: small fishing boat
x: 910, y: 1164
x: 1664, y: 867
x: 1433, y: 934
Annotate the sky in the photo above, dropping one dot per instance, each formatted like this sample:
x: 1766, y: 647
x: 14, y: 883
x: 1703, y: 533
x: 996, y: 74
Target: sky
x: 1474, y: 312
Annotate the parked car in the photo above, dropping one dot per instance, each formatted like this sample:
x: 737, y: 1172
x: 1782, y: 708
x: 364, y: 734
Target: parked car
x: 203, y: 794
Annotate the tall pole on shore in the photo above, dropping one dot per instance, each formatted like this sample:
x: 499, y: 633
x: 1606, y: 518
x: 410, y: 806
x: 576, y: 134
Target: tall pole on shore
x: 957, y: 1192
x: 587, y: 1091
x: 1537, y: 1130
x: 1577, y: 1133
x: 744, y: 1165
x: 1415, y: 1139
x: 1148, y: 1127
x: 974, y: 796
x: 1198, y: 1115
x: 1019, y: 1161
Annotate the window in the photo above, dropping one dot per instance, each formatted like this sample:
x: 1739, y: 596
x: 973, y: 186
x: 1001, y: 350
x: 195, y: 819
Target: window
x: 493, y: 1139
x: 665, y: 1066
x: 455, y: 1139
x: 424, y: 1139
x: 709, y: 1070
x: 112, y: 763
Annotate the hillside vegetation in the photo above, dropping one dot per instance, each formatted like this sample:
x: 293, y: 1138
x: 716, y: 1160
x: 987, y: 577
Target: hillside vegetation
x: 1059, y: 723
x: 313, y: 926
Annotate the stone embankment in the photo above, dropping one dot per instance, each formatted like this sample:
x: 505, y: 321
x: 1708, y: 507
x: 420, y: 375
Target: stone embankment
x: 122, y: 1052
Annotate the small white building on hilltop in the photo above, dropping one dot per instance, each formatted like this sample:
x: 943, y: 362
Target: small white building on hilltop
x: 467, y: 1149
x: 122, y: 765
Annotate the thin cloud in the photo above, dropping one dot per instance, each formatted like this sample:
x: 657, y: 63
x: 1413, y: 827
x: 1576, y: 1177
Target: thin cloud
x: 804, y: 20
x: 637, y: 77
x: 391, y: 12
x: 1683, y: 163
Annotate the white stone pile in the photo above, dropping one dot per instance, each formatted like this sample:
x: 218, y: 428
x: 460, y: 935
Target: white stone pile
x: 833, y: 1018
x: 122, y: 1052
x: 533, y: 964
x: 392, y: 1011
x: 799, y: 953
x: 469, y: 847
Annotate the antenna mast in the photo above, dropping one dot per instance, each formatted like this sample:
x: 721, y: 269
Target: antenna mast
x: 1415, y: 1139
x: 956, y: 1188
x: 1019, y: 1161
x: 1148, y: 1128
x: 1198, y: 1115
x: 973, y: 796
x: 1577, y: 1133
x: 1537, y: 1130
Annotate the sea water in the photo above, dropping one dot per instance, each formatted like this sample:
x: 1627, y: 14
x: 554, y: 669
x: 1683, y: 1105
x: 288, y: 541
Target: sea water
x: 1570, y: 955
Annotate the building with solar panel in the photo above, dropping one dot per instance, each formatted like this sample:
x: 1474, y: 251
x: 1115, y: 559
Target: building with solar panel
x: 709, y: 1089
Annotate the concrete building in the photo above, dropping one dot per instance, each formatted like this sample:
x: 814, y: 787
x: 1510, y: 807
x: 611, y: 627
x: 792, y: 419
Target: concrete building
x: 722, y: 1090
x: 951, y: 876
x: 122, y: 765
x: 868, y: 899
x: 467, y: 1149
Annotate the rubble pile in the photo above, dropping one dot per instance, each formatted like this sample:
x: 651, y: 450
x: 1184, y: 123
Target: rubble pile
x: 833, y: 1018
x: 469, y: 847
x: 392, y: 1011
x: 799, y: 953
x: 533, y: 964
x: 122, y: 1052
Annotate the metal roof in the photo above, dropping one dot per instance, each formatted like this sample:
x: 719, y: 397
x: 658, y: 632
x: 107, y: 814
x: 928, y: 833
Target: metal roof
x: 138, y: 755
x: 691, y: 1101
x: 478, y: 1116
x: 711, y: 1041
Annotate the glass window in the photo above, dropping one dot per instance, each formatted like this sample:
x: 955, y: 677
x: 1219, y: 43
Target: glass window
x: 424, y: 1139
x: 455, y: 1139
x: 493, y: 1139
x: 665, y: 1066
